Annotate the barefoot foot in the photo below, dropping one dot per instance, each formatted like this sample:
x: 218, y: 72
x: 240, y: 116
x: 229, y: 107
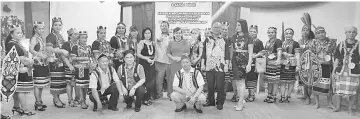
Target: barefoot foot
x: 316, y: 106
x: 331, y: 106
x: 336, y: 109
x: 307, y: 101
x: 351, y: 112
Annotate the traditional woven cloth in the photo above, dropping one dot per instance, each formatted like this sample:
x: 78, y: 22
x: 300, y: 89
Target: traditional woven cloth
x: 272, y: 73
x: 251, y: 79
x: 25, y: 83
x: 346, y: 85
x: 324, y: 85
x: 41, y: 76
x: 58, y: 83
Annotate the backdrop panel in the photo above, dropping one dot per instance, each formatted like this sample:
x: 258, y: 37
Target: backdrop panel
x: 186, y: 15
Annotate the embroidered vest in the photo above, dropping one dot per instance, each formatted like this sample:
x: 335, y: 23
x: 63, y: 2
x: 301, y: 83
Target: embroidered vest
x: 194, y: 80
x: 97, y: 75
x: 123, y: 75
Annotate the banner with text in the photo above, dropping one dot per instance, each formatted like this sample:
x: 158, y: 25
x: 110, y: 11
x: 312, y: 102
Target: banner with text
x: 186, y: 15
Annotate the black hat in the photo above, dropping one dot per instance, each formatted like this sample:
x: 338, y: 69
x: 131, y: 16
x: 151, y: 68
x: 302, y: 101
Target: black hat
x: 101, y: 56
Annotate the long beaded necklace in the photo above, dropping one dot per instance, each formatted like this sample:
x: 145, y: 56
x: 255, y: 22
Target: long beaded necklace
x: 288, y: 44
x: 348, y: 53
x: 59, y: 39
x: 41, y: 41
x: 270, y: 45
x: 149, y: 47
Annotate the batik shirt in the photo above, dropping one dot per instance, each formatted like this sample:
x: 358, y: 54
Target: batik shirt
x: 214, y: 54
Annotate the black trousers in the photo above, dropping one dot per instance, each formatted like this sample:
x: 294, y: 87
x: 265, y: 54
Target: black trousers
x: 139, y: 93
x: 219, y: 78
x: 114, y: 96
x: 150, y: 82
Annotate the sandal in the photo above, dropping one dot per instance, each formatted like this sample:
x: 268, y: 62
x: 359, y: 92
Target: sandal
x: 16, y: 109
x: 267, y: 98
x: 28, y: 113
x: 76, y: 102
x: 38, y: 106
x: 250, y: 98
x: 5, y: 117
x: 235, y: 99
x: 147, y: 103
x: 44, y: 106
x: 71, y: 103
x: 282, y: 99
x: 56, y: 104
x: 287, y: 99
x: 272, y: 99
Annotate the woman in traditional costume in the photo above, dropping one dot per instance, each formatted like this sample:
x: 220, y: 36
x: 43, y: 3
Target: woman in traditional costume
x: 324, y: 48
x: 82, y: 57
x: 272, y: 72
x: 146, y: 48
x: 196, y: 48
x: 290, y: 61
x: 242, y: 50
x: 24, y: 81
x: 41, y: 69
x: 57, y: 61
x: 252, y: 76
x: 119, y: 43
x: 347, y: 69
x: 134, y: 39
x: 100, y: 45
x: 73, y: 35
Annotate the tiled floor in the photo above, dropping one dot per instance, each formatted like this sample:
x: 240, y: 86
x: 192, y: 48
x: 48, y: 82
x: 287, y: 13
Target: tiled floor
x: 164, y: 109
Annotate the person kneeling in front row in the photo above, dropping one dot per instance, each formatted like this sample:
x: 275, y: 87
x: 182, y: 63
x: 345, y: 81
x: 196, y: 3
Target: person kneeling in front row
x: 132, y: 75
x: 104, y: 81
x: 188, y: 86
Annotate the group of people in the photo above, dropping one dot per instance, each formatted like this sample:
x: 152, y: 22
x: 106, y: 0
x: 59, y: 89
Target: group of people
x: 131, y: 66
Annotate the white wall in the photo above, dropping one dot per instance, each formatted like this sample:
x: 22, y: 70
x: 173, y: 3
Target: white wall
x: 333, y: 16
x: 87, y: 16
x: 17, y: 9
x: 357, y: 17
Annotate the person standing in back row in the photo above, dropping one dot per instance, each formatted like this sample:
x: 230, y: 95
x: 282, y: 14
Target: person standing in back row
x: 162, y: 61
x: 213, y: 62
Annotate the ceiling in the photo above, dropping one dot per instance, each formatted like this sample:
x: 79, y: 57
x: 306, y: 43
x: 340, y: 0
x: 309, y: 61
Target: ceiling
x: 250, y: 4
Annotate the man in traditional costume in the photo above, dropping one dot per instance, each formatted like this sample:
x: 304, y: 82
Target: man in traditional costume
x: 347, y: 68
x: 307, y: 37
x: 323, y: 47
x: 188, y: 86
